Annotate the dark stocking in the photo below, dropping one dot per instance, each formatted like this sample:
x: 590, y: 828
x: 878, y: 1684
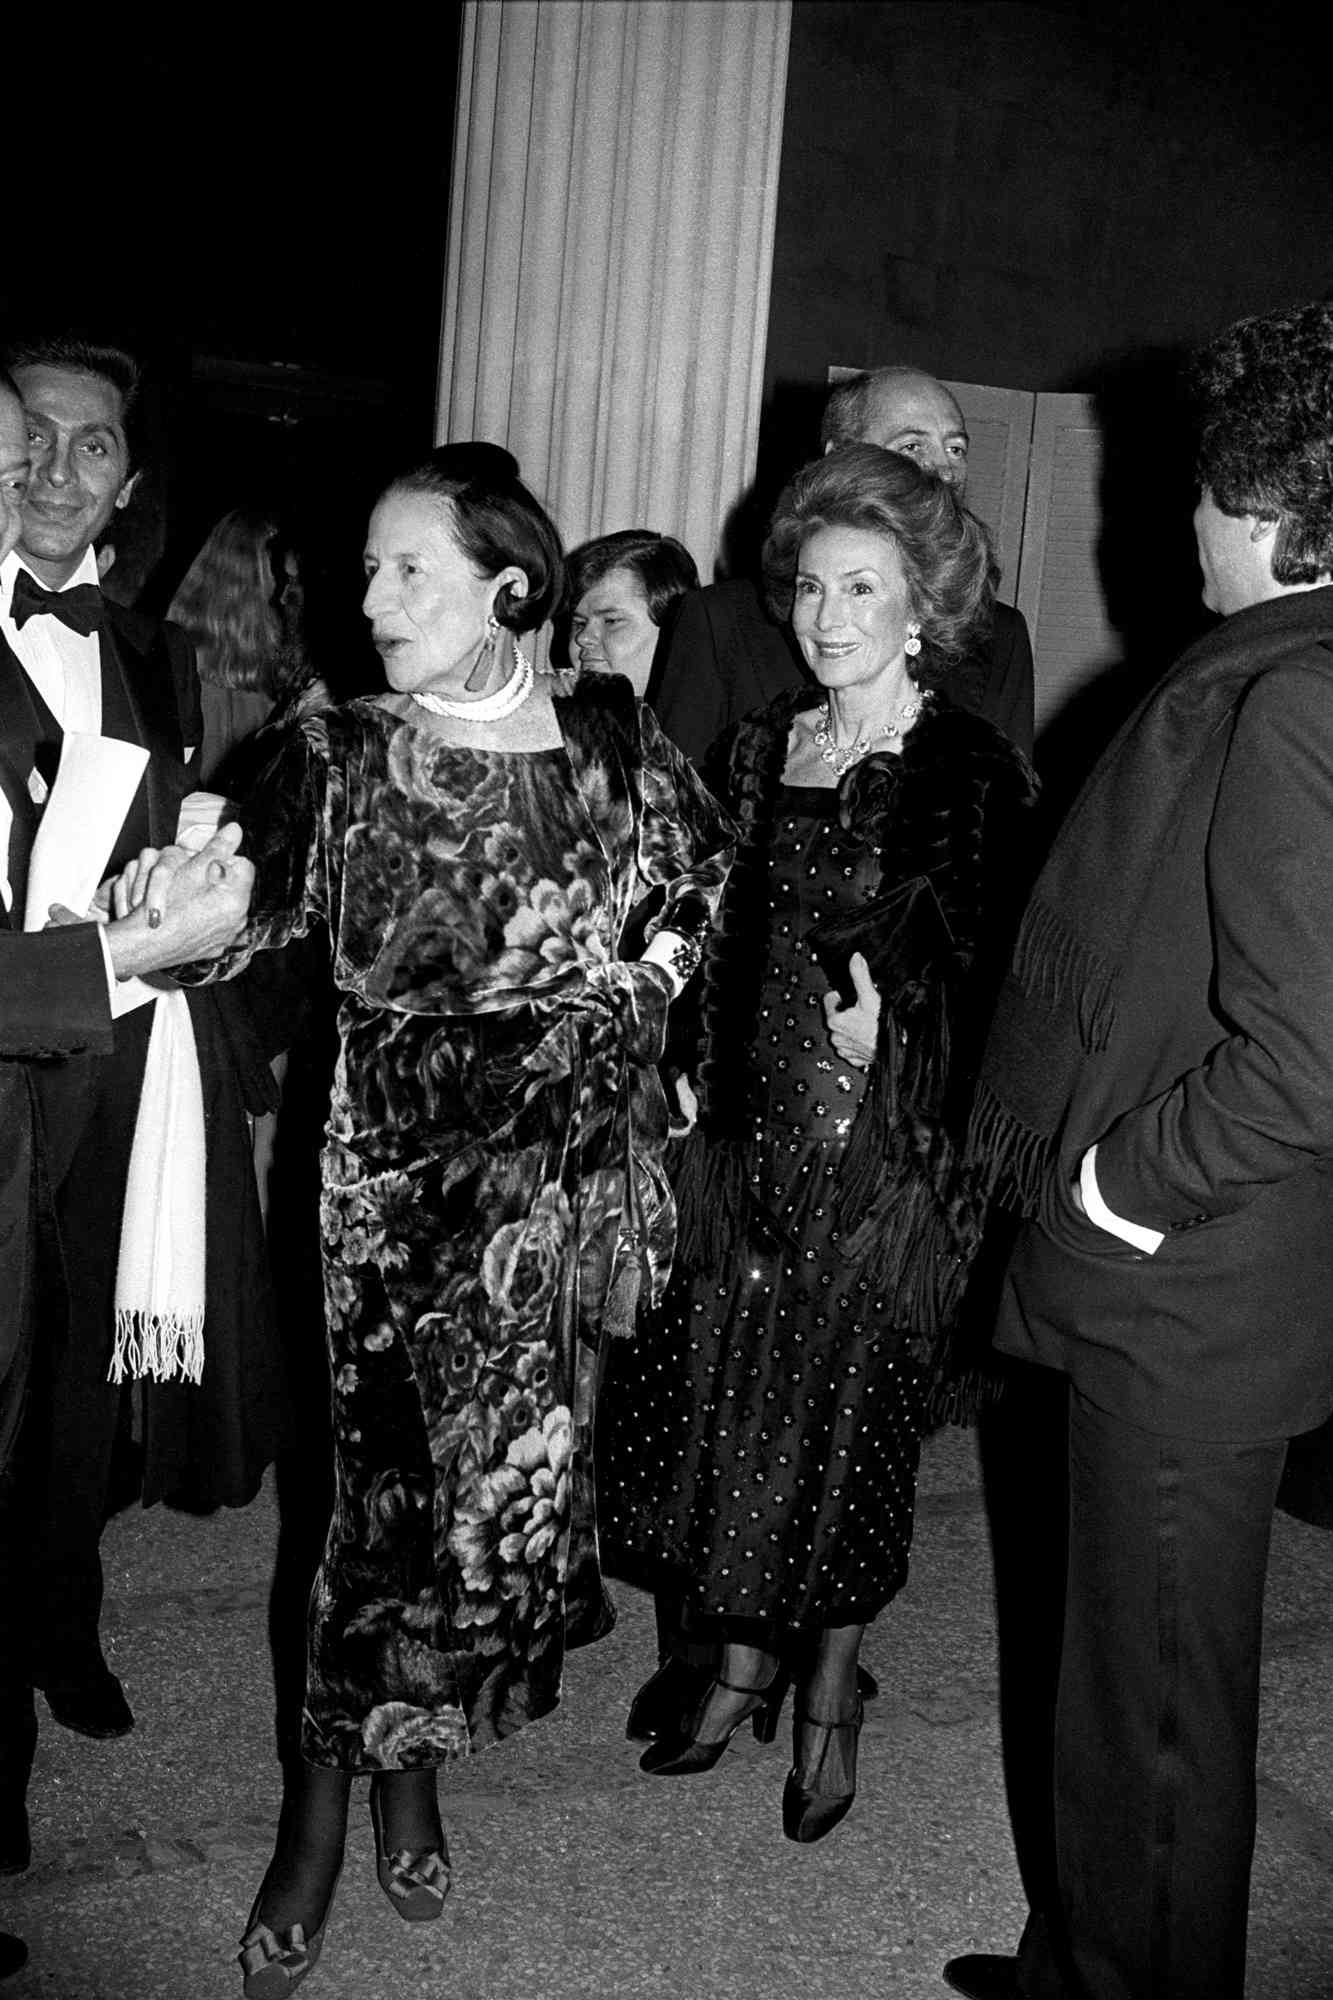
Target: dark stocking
x: 409, y: 1811
x: 826, y: 1761
x: 746, y: 1672
x: 299, y: 1881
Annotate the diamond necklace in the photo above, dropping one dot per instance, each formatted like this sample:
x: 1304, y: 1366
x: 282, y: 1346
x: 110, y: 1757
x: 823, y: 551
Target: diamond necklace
x: 491, y: 707
x: 839, y: 759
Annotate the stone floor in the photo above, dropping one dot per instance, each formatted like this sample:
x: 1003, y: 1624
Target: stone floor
x: 575, y: 1877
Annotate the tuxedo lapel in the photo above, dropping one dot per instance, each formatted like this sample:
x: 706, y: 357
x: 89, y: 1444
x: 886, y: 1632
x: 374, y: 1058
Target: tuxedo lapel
x: 20, y: 732
x: 20, y: 729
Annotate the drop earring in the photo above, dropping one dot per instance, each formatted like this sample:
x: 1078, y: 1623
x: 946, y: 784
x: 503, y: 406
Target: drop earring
x: 487, y: 658
x: 912, y: 643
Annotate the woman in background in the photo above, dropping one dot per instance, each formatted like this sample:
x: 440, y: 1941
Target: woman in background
x: 241, y: 602
x: 624, y: 589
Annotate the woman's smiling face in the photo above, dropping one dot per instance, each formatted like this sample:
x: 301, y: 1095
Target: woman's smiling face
x: 851, y: 607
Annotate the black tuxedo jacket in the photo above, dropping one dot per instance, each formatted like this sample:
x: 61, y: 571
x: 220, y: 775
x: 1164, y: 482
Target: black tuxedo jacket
x: 726, y: 657
x: 208, y: 1445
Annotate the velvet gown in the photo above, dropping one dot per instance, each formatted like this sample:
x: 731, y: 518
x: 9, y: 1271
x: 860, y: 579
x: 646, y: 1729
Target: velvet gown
x: 492, y: 1184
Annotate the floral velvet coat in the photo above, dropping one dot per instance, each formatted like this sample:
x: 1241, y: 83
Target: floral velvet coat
x: 493, y: 1186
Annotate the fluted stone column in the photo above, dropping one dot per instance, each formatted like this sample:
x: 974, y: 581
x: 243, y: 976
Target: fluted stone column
x: 610, y: 250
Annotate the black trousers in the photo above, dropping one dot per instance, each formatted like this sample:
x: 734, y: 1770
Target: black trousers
x: 75, y: 1411
x: 1156, y: 1715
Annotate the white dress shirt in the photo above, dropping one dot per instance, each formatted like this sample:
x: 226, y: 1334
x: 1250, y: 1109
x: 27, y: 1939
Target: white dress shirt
x: 65, y: 667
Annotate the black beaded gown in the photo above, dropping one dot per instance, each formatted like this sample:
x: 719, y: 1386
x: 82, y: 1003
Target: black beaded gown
x: 759, y: 1442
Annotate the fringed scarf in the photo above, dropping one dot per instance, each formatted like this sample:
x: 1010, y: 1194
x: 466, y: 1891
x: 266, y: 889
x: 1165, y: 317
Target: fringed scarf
x: 943, y: 817
x: 1056, y: 1009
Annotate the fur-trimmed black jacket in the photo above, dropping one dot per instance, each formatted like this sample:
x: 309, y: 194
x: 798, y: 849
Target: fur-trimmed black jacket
x: 946, y: 818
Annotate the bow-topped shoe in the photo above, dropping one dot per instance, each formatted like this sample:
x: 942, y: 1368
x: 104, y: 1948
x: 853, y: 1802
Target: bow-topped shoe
x: 415, y: 1880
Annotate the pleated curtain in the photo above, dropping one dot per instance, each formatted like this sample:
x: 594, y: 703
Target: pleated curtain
x: 610, y: 249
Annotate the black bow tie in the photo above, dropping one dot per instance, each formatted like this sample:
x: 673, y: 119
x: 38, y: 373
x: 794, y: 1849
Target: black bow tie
x: 81, y: 608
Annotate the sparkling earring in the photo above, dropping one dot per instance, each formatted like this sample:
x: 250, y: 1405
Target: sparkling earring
x: 912, y: 643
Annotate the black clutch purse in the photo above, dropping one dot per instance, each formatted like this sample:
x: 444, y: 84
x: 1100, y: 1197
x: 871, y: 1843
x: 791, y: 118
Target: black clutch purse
x: 900, y: 935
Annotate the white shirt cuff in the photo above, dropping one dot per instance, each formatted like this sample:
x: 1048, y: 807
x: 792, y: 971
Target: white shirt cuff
x: 1135, y: 1233
x: 109, y: 967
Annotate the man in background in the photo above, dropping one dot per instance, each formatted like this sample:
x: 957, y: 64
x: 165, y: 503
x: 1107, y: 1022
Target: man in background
x: 727, y: 656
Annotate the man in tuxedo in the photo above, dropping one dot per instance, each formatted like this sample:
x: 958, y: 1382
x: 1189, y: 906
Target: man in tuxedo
x: 726, y: 656
x: 1157, y: 1091
x: 70, y: 660
x: 55, y: 1001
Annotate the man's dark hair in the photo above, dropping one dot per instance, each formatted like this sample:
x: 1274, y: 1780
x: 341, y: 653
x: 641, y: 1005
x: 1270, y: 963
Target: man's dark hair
x: 78, y: 356
x: 664, y: 567
x: 1264, y: 392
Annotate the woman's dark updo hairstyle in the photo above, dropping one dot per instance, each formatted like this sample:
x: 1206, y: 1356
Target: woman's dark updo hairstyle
x: 945, y: 551
x: 496, y: 522
x: 1264, y: 392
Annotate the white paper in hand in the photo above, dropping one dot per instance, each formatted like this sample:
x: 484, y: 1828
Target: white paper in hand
x: 93, y: 791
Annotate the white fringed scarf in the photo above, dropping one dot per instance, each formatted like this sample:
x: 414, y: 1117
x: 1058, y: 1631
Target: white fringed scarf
x: 159, y: 1331
x: 160, y: 1273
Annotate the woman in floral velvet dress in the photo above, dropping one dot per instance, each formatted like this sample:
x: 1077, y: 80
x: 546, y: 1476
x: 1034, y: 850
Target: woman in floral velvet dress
x: 493, y: 1189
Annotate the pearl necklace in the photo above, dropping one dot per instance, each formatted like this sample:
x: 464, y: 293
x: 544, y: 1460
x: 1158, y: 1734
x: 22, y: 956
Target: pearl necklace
x: 839, y: 759
x: 491, y: 707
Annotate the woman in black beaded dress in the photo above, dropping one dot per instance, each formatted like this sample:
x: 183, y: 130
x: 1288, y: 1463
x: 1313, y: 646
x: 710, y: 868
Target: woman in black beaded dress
x: 760, y: 1442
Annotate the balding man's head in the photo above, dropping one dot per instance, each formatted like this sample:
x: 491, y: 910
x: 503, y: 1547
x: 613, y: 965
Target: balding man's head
x: 903, y: 410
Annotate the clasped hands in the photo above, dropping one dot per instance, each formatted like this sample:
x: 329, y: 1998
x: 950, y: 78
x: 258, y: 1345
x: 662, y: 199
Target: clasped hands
x: 171, y: 906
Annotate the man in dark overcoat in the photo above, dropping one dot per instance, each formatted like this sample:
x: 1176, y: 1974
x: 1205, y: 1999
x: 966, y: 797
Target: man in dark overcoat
x: 1158, y: 1094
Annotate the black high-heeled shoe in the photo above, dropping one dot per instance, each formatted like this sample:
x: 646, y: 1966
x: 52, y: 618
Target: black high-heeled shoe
x: 808, y: 1813
x: 273, y: 1963
x: 416, y: 1880
x: 666, y: 1700
x: 681, y: 1757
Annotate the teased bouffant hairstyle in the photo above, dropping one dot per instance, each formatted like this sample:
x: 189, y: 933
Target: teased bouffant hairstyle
x: 227, y: 602
x: 945, y: 550
x: 1264, y: 393
x: 90, y: 357
x: 664, y: 567
x: 497, y: 522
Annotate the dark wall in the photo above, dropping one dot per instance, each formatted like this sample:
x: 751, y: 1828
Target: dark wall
x: 263, y: 218
x: 1011, y: 194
